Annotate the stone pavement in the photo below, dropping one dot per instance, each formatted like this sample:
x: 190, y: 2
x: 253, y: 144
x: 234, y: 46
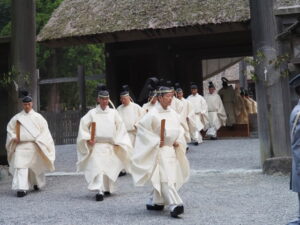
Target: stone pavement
x: 226, y: 188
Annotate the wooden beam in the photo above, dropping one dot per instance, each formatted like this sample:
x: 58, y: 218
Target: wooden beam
x: 59, y: 80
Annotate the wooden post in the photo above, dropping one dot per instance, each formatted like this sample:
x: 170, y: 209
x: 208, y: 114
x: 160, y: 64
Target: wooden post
x: 36, y: 97
x: 93, y: 131
x: 81, y: 84
x: 243, y: 74
x: 272, y: 97
x: 24, y: 44
x: 162, y: 132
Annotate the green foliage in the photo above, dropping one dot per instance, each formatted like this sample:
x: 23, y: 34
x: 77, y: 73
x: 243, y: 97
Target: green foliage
x: 44, y: 9
x: 5, y: 18
x: 61, y: 62
x: 7, y: 79
x: 276, y: 62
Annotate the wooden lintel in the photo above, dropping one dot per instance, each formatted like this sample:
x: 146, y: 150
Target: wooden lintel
x: 70, y: 79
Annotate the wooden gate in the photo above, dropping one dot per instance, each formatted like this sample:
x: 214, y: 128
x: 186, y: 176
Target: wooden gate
x: 63, y: 126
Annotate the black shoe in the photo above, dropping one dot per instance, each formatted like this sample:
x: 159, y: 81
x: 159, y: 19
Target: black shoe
x: 99, y: 197
x: 213, y: 138
x: 187, y: 149
x: 196, y: 143
x: 121, y: 174
x: 294, y: 222
x: 21, y: 194
x: 155, y: 207
x: 36, y: 188
x: 106, y: 193
x: 177, y: 211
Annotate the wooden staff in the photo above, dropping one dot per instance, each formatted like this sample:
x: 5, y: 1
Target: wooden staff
x: 18, y: 124
x: 93, y: 131
x: 162, y: 132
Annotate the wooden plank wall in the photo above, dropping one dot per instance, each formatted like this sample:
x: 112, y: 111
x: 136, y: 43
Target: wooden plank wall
x: 63, y: 126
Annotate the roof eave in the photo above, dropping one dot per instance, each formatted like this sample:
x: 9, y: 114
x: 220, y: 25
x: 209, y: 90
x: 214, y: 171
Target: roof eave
x: 135, y: 35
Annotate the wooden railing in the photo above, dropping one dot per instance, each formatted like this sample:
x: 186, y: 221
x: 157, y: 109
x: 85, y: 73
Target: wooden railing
x: 63, y: 126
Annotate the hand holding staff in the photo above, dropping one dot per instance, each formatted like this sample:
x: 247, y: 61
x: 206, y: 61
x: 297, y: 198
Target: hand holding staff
x: 162, y: 132
x: 93, y: 132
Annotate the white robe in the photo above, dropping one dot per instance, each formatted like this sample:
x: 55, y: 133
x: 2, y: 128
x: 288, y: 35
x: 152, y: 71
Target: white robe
x: 148, y: 106
x: 151, y: 163
x: 216, y: 113
x: 176, y: 105
x: 112, y: 150
x: 188, y: 119
x: 200, y: 107
x: 131, y: 114
x: 34, y: 155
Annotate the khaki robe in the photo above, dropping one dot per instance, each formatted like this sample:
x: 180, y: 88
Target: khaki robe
x: 228, y: 98
x: 201, y: 111
x: 249, y: 105
x: 131, y: 114
x: 253, y: 105
x: 113, y: 147
x: 36, y: 150
x: 154, y: 164
x: 240, y: 109
x: 216, y: 113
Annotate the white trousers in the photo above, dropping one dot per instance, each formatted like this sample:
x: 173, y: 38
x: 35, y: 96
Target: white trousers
x: 101, y: 183
x: 24, y: 179
x: 196, y: 136
x: 169, y: 195
x: 211, y: 132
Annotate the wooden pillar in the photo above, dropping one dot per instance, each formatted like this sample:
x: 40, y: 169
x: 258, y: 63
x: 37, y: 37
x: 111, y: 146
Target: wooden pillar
x: 81, y: 85
x: 243, y: 74
x: 271, y: 94
x: 38, y: 100
x: 23, y: 45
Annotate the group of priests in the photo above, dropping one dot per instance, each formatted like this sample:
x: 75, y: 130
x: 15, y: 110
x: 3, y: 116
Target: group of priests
x: 148, y: 142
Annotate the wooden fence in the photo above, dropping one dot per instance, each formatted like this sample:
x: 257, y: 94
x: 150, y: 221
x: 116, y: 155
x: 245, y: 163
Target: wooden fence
x: 63, y: 126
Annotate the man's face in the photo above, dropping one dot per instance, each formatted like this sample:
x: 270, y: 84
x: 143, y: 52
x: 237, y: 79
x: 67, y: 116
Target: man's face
x: 194, y: 91
x: 125, y: 100
x: 103, y: 102
x: 165, y: 100
x: 27, y: 106
x: 211, y: 90
x: 180, y: 95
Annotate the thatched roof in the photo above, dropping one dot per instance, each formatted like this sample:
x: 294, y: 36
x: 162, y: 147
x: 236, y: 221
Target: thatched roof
x: 78, y: 18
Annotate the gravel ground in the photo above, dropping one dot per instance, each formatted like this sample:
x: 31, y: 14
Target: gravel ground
x: 225, y: 188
